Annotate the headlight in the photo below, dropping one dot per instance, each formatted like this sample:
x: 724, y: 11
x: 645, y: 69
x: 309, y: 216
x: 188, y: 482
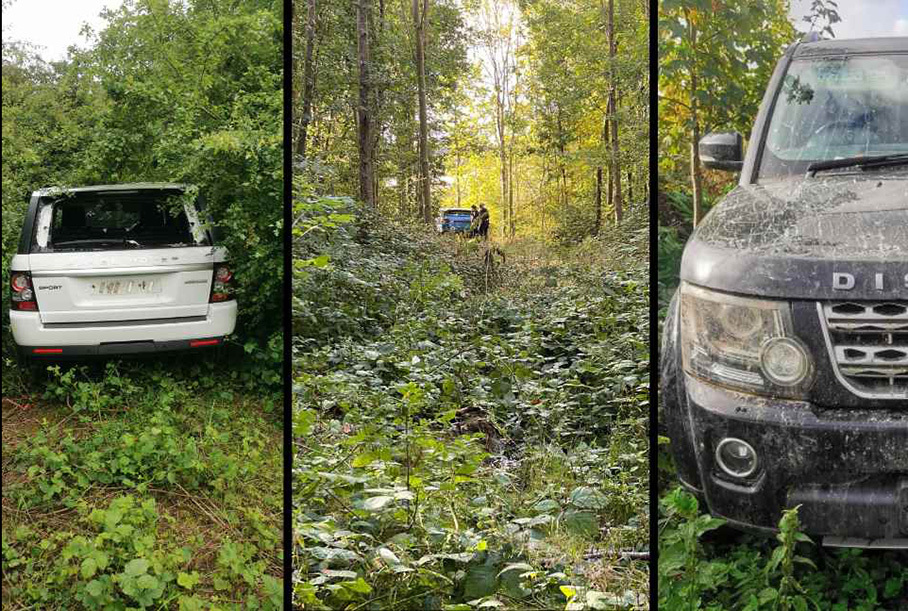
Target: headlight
x: 745, y: 344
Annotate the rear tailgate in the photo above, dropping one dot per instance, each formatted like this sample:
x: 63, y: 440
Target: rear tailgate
x: 119, y: 285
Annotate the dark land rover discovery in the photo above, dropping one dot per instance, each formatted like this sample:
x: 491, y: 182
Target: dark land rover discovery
x: 785, y: 352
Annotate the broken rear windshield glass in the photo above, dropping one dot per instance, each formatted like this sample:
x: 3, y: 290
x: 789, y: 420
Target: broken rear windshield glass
x: 836, y: 108
x: 113, y: 221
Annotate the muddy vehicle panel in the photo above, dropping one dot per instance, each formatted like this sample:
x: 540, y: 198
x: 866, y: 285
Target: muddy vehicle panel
x: 785, y: 355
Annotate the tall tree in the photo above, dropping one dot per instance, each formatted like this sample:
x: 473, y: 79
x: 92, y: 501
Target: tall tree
x: 615, y: 168
x: 499, y: 38
x: 364, y: 110
x: 696, y: 169
x: 425, y: 177
x: 308, y: 79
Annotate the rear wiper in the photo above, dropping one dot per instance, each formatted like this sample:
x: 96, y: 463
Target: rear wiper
x: 99, y: 241
x: 865, y: 163
x: 89, y: 241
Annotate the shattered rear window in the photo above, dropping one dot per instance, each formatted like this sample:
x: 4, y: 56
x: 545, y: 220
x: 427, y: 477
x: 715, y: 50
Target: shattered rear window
x: 114, y: 221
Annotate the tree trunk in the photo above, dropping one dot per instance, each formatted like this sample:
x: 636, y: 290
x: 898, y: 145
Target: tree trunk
x: 561, y: 160
x: 615, y: 171
x: 457, y: 152
x: 630, y: 187
x: 425, y: 179
x: 597, y: 226
x: 364, y: 111
x: 502, y: 153
x: 696, y: 173
x: 512, y: 210
x: 378, y: 94
x: 308, y: 80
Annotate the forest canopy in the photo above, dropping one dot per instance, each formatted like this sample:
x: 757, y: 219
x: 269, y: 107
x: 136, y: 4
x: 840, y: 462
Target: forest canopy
x: 413, y: 106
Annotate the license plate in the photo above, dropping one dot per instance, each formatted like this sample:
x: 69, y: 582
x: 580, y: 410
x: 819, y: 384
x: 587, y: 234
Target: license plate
x: 125, y: 286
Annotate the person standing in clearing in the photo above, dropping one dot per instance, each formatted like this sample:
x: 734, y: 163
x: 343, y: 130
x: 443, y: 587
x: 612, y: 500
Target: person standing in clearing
x: 474, y: 223
x: 484, y: 222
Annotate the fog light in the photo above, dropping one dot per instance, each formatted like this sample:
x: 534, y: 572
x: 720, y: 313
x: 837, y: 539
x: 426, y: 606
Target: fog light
x: 736, y: 457
x: 785, y: 361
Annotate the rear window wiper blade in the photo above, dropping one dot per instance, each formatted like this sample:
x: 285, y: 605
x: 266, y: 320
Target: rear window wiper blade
x: 864, y: 162
x: 99, y: 242
x: 90, y: 241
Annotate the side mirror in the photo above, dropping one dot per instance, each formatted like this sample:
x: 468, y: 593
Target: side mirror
x: 722, y: 151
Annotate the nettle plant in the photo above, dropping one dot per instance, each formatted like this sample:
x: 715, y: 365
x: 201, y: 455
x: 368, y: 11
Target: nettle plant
x: 754, y: 576
x: 118, y: 561
x: 123, y: 562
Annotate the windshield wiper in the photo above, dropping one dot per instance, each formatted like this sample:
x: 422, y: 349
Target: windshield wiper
x: 865, y: 163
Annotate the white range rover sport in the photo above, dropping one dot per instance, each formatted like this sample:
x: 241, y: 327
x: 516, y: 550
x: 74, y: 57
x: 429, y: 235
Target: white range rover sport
x: 118, y: 269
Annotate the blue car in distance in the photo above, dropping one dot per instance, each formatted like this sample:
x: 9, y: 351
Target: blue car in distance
x: 457, y: 220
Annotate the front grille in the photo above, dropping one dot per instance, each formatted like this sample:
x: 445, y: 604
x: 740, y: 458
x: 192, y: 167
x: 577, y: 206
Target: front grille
x: 868, y: 346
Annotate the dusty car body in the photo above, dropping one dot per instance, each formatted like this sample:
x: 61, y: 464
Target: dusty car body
x: 118, y: 269
x: 784, y: 364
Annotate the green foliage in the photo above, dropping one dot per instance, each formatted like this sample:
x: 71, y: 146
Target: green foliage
x: 457, y: 442
x: 552, y: 96
x: 700, y: 569
x: 822, y: 11
x: 116, y: 498
x: 119, y: 560
x: 168, y: 91
x: 715, y: 60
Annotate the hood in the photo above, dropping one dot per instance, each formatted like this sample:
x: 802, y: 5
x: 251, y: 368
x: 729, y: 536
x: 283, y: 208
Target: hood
x: 806, y: 238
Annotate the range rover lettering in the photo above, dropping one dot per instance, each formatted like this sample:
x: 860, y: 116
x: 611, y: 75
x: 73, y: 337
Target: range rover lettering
x: 785, y: 353
x: 118, y: 269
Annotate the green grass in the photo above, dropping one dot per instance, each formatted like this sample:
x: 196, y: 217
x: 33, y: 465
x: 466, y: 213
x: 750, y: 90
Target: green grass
x: 141, y: 484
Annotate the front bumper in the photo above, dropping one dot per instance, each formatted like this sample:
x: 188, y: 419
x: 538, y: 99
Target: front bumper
x: 847, y: 469
x: 121, y: 337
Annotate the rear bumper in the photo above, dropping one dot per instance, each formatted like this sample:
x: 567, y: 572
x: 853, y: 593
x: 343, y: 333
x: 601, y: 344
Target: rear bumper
x: 121, y: 337
x: 847, y: 469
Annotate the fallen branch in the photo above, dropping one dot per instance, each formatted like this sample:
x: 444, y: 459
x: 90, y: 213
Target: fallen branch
x: 621, y: 555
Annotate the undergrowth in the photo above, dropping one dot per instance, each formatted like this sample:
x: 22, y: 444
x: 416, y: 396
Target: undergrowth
x: 141, y: 484
x: 470, y: 430
x: 705, y: 565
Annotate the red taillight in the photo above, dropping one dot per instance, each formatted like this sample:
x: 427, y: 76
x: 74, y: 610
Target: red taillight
x: 47, y: 351
x: 22, y: 295
x: 221, y: 283
x: 196, y: 343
